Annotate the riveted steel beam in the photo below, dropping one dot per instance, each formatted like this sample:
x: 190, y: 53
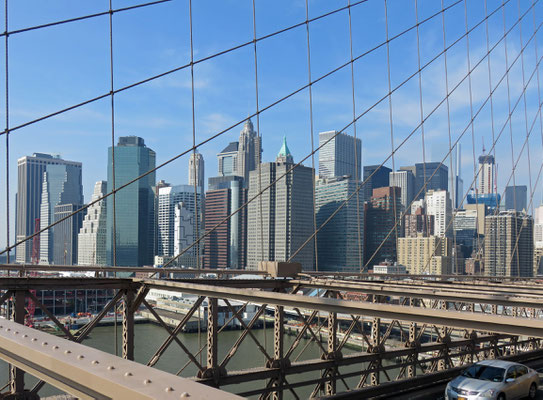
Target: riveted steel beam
x: 88, y: 373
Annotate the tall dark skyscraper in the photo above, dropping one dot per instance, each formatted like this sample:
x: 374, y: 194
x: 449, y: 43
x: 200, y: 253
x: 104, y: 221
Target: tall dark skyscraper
x: 424, y: 172
x: 63, y: 179
x: 134, y: 233
x: 516, y: 197
x: 381, y: 178
x: 380, y: 220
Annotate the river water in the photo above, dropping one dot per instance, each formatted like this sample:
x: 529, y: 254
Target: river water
x: 148, y: 338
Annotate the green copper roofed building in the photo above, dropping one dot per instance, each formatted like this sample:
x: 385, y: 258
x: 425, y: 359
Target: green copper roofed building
x: 284, y: 154
x: 279, y: 225
x: 134, y: 205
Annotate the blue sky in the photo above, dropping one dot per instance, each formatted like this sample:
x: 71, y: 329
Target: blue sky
x: 53, y: 68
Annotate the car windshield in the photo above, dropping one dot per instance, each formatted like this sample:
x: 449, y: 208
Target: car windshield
x: 484, y: 373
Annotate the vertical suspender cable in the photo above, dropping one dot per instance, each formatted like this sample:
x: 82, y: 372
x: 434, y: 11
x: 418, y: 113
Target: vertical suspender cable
x: 356, y: 155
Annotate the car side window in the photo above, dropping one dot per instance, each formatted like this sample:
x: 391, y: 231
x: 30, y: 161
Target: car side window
x: 511, y: 373
x: 521, y: 370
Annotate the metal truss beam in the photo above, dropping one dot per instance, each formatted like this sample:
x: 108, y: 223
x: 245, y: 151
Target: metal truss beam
x: 476, y: 295
x: 88, y: 373
x: 460, y: 320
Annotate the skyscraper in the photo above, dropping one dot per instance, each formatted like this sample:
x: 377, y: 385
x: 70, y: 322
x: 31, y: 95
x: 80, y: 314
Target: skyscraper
x: 381, y: 229
x: 538, y: 227
x: 228, y: 160
x: 196, y: 170
x: 432, y: 174
x: 338, y: 242
x: 509, y: 246
x: 340, y: 156
x: 405, y: 180
x: 457, y: 179
x: 240, y: 158
x: 282, y: 221
x: 29, y: 196
x: 438, y: 204
x: 133, y: 236
x: 66, y: 244
x: 62, y: 184
x: 380, y: 178
x: 172, y: 199
x: 249, y: 151
x: 516, y: 197
x: 487, y: 174
x: 226, y: 246
x: 91, y: 241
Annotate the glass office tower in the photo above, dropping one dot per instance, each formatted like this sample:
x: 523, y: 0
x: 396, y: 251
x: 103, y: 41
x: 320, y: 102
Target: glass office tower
x: 134, y: 204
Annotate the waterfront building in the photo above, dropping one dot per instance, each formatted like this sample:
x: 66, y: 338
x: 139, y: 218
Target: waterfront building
x: 66, y: 234
x: 91, y: 241
x: 340, y: 155
x: 425, y: 255
x: 405, y: 180
x: 134, y: 235
x: 225, y: 247
x: 516, y: 198
x: 380, y: 178
x: 438, y: 204
x: 178, y: 203
x: 282, y: 219
x: 381, y: 228
x: 509, y: 247
x: 339, y: 245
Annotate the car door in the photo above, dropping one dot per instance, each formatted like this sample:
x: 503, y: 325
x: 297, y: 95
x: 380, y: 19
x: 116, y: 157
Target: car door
x: 511, y: 389
x: 523, y: 381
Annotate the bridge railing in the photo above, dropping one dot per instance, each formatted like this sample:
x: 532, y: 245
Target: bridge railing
x: 344, y: 335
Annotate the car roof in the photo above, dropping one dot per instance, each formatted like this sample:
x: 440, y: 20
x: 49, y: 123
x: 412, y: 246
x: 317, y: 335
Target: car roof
x: 497, y: 363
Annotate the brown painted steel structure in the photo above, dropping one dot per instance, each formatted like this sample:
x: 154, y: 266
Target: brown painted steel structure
x: 404, y: 328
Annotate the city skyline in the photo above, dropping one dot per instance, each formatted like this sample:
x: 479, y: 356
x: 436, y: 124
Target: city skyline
x: 225, y: 96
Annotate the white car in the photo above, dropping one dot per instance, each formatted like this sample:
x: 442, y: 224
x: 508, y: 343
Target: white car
x: 494, y: 379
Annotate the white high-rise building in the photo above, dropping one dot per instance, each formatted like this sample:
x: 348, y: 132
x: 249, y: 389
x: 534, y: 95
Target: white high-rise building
x: 168, y: 198
x: 196, y: 170
x: 438, y: 204
x: 405, y: 180
x: 92, y: 236
x: 487, y: 174
x: 249, y: 151
x: 538, y: 227
x: 340, y: 156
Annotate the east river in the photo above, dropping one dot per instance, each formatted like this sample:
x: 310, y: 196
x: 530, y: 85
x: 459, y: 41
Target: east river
x: 149, y: 337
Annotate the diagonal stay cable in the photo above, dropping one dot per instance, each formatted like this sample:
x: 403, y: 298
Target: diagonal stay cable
x: 411, y: 134
x: 82, y: 18
x: 347, y: 126
x: 471, y: 122
x: 262, y: 110
x: 229, y: 50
